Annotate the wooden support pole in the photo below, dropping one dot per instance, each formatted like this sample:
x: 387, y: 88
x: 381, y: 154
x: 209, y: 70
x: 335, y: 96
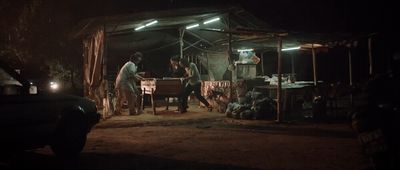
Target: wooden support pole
x: 230, y: 59
x: 370, y: 55
x: 262, y: 63
x: 350, y: 77
x: 106, y: 103
x: 314, y: 64
x: 200, y: 67
x: 279, y: 89
x: 292, y: 63
x: 350, y: 69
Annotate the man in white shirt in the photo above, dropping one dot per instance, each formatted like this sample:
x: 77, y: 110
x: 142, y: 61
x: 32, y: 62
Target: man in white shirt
x: 126, y: 87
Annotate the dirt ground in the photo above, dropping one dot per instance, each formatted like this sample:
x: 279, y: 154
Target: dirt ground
x: 206, y: 140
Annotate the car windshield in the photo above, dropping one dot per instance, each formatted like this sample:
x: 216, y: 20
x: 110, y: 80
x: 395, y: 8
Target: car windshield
x: 7, y: 79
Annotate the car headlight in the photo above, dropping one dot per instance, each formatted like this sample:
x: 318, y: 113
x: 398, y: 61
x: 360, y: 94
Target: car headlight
x: 54, y: 86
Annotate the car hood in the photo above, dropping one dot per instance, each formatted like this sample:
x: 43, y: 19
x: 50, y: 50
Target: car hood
x: 86, y: 103
x: 62, y: 100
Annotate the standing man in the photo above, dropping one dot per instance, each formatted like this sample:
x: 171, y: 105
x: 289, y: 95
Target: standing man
x: 193, y: 84
x: 175, y: 70
x: 126, y: 87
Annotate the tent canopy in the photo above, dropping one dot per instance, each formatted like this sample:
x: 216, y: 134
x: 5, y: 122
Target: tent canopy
x: 247, y: 31
x: 161, y: 40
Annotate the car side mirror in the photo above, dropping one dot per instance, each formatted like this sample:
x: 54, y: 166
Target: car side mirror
x: 33, y: 89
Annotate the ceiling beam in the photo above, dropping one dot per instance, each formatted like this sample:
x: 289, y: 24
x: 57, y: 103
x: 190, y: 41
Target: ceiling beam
x: 199, y: 37
x: 164, y: 46
x: 191, y: 45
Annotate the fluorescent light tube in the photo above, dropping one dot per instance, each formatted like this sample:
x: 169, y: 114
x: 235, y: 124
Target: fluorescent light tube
x: 138, y: 28
x: 192, y: 26
x: 211, y: 20
x: 151, y: 23
x: 245, y: 50
x: 291, y: 48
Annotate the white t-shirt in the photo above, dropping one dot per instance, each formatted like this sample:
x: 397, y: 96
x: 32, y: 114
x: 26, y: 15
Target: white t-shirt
x: 125, y: 79
x: 194, y: 72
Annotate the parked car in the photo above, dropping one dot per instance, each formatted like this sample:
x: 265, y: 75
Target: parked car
x: 30, y: 120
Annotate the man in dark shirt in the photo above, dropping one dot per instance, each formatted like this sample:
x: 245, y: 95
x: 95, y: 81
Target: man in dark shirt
x: 175, y: 70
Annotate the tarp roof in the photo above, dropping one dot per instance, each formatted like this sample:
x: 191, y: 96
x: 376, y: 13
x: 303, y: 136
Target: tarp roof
x: 247, y: 30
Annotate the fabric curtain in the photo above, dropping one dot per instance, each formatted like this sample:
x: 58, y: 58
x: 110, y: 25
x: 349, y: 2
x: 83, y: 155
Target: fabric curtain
x: 93, y: 57
x: 217, y: 65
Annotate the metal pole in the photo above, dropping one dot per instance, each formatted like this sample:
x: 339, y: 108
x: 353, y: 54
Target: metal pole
x: 279, y: 89
x: 314, y: 64
x: 181, y: 43
x: 370, y: 55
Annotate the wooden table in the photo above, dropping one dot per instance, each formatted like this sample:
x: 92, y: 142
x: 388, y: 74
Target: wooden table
x: 291, y: 93
x: 167, y: 87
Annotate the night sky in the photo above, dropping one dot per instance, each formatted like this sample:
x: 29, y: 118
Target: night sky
x: 304, y: 15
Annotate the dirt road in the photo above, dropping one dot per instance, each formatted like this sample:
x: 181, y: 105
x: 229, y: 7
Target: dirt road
x: 203, y: 140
